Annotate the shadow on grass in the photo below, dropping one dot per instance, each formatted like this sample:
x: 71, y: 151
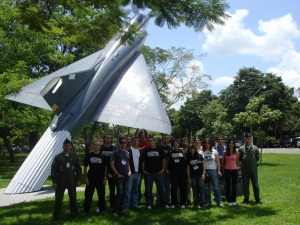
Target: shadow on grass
x: 40, y: 212
x: 269, y: 164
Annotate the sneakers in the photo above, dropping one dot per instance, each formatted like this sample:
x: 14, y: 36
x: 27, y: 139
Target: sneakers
x: 149, y: 207
x: 167, y: 206
x: 230, y: 203
x: 182, y: 206
x: 220, y: 205
x: 246, y: 200
x: 115, y: 214
x: 233, y: 203
x: 257, y: 201
x: 97, y: 210
x: 207, y: 205
x: 172, y: 206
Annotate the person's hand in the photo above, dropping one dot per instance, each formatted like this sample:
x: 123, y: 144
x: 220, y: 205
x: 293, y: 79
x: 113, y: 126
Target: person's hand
x: 78, y: 184
x: 87, y: 181
x: 219, y: 174
x: 54, y: 185
x: 203, y: 177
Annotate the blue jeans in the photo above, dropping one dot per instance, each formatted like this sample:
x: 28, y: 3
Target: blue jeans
x: 198, y: 190
x: 214, y: 180
x: 121, y: 184
x: 167, y: 187
x: 132, y: 191
x: 158, y: 179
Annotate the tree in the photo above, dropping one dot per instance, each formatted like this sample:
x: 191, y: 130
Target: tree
x: 214, y: 117
x: 176, y: 73
x: 17, y: 121
x: 245, y: 85
x: 250, y: 83
x: 256, y: 117
x: 193, y: 13
x: 187, y: 121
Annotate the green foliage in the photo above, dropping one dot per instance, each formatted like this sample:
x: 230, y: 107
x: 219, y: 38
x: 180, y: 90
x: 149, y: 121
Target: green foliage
x: 250, y: 83
x: 257, y: 116
x: 11, y: 123
x: 214, y: 115
x: 187, y: 120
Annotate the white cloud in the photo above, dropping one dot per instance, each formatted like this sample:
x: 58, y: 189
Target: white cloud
x: 223, y: 81
x: 276, y: 37
x: 288, y: 69
x: 275, y: 42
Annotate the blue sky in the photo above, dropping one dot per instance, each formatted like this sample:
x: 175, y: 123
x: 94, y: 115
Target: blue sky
x: 264, y: 34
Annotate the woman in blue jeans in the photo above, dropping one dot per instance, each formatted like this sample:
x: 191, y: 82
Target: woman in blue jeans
x: 213, y: 171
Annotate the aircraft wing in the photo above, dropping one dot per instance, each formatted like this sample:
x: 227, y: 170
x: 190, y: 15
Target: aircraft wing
x: 31, y: 93
x: 135, y: 102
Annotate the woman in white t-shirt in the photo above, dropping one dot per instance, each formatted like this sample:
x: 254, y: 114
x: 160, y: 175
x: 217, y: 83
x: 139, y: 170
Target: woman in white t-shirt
x: 213, y: 171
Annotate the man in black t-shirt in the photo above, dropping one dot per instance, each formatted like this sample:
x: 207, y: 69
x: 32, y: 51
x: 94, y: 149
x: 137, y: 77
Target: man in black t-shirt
x: 94, y: 178
x: 106, y: 149
x: 153, y: 164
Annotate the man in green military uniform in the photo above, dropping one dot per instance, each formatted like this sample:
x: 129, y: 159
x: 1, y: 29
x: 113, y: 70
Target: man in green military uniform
x: 249, y: 156
x: 65, y: 174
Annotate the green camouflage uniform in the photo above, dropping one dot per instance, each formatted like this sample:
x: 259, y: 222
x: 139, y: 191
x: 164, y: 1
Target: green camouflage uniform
x: 249, y: 158
x: 65, y: 172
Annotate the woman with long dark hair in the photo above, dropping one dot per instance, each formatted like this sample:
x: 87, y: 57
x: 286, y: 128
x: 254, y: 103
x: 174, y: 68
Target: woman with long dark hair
x: 176, y: 168
x: 230, y: 163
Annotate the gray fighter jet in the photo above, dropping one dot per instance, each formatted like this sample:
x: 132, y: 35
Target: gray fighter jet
x: 112, y: 85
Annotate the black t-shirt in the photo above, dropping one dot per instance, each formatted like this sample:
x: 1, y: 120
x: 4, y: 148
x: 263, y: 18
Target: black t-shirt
x: 96, y: 165
x: 196, y: 164
x: 166, y: 149
x: 107, y: 152
x: 121, y: 159
x: 153, y: 159
x: 177, y: 161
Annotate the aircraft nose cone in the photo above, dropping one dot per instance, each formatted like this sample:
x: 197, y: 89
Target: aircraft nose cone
x: 53, y: 126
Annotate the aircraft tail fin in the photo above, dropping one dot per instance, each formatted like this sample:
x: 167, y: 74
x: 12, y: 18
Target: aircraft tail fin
x: 36, y: 168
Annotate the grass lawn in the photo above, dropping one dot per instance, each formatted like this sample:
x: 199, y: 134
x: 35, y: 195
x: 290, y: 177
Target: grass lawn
x: 279, y: 179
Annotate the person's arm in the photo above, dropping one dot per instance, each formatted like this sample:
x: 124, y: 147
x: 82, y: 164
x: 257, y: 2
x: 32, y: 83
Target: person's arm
x: 129, y: 170
x: 143, y: 167
x: 204, y: 173
x: 78, y: 171
x: 237, y: 158
x: 188, y: 172
x: 257, y: 154
x: 54, y: 173
x: 163, y: 166
x: 167, y: 164
x: 87, y: 182
x: 105, y: 174
x: 218, y: 164
x: 224, y: 161
x: 113, y: 168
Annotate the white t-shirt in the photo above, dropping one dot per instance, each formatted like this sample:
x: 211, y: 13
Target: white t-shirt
x: 210, y: 159
x: 135, y: 157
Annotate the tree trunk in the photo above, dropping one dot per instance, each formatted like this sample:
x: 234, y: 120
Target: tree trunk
x: 7, y: 144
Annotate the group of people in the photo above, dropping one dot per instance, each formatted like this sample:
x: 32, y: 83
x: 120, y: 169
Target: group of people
x: 176, y: 170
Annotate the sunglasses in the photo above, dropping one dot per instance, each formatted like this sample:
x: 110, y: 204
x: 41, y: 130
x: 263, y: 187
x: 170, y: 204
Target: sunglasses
x: 123, y: 142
